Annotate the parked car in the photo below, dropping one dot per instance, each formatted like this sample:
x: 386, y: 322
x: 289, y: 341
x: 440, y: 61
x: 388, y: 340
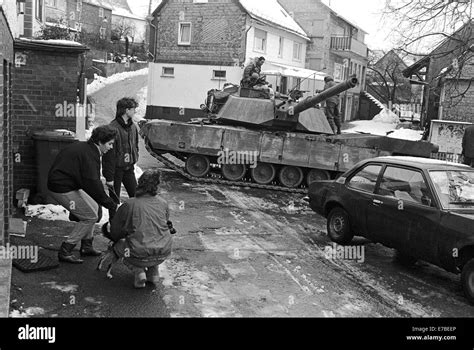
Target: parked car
x: 424, y: 208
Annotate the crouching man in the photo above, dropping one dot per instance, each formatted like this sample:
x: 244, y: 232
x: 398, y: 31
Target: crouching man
x: 74, y: 182
x: 140, y: 230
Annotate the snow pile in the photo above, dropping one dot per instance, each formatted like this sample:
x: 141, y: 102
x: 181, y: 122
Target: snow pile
x: 101, y: 82
x: 386, y: 116
x: 141, y: 110
x: 47, y: 212
x: 407, y: 134
x: 384, y: 124
x: 370, y: 127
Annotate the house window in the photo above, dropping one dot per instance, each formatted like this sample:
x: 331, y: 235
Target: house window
x: 52, y: 3
x: 79, y: 6
x: 39, y: 10
x: 184, y: 35
x: 297, y: 48
x: 101, y: 12
x: 260, y: 42
x: 280, y: 46
x: 219, y: 74
x: 168, y: 72
x: 102, y: 33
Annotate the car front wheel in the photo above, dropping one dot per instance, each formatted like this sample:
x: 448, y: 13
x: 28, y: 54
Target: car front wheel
x: 467, y: 280
x: 339, y: 227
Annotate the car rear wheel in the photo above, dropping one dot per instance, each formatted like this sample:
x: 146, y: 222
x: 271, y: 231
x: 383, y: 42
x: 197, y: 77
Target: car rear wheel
x: 339, y: 226
x: 467, y: 280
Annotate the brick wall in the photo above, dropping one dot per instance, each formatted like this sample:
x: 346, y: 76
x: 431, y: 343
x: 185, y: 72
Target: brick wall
x: 6, y: 174
x: 217, y: 35
x: 49, y: 78
x: 459, y: 109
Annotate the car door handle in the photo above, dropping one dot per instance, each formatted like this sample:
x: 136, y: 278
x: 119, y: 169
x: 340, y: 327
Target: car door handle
x: 377, y: 202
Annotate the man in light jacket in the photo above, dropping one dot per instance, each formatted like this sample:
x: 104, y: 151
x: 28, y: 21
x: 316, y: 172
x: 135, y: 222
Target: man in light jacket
x: 140, y: 230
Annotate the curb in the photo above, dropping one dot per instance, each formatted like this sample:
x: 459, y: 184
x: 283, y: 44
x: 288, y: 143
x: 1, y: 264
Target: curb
x: 5, y: 283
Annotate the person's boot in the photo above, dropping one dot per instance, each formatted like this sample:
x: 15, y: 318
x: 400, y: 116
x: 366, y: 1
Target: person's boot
x: 87, y: 249
x: 140, y: 277
x: 65, y: 254
x: 153, y: 274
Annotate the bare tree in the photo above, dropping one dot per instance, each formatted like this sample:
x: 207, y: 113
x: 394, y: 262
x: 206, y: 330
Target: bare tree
x: 385, y: 77
x: 442, y: 31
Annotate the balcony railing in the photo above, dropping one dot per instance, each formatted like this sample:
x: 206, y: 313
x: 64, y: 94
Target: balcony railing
x: 349, y: 44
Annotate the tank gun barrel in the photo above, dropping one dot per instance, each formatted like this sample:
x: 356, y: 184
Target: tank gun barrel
x: 310, y: 102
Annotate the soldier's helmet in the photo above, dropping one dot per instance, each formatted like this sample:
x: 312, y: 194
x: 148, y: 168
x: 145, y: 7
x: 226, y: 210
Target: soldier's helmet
x: 328, y: 78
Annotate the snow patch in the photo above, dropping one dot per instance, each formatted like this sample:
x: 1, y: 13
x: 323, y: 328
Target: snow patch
x: 210, y: 299
x: 101, y: 82
x: 31, y: 311
x: 407, y: 134
x: 65, y: 288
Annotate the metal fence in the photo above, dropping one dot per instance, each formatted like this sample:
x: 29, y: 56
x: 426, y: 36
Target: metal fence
x: 448, y: 157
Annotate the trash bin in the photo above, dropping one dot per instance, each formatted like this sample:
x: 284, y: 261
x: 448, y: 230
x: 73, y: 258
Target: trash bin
x: 48, y: 144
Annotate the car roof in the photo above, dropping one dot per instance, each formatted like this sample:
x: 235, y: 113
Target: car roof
x: 422, y: 163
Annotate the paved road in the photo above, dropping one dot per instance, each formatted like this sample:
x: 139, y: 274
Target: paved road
x: 240, y: 252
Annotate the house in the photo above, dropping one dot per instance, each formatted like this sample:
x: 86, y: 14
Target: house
x: 199, y: 45
x: 127, y: 23
x: 446, y: 74
x: 337, y: 47
x: 79, y: 16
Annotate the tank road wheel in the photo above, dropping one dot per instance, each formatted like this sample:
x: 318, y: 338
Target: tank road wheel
x: 317, y: 175
x: 197, y: 165
x: 263, y: 173
x: 291, y: 176
x: 234, y: 172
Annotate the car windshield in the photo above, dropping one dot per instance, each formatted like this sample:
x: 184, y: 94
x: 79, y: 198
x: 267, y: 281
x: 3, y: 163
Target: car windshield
x: 455, y: 188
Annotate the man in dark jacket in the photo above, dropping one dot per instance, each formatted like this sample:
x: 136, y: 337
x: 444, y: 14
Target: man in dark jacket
x: 74, y: 182
x: 252, y: 72
x: 118, y: 165
x: 468, y: 146
x: 332, y: 107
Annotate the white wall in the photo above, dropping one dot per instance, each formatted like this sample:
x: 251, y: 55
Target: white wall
x: 9, y: 8
x: 271, y: 52
x: 189, y: 86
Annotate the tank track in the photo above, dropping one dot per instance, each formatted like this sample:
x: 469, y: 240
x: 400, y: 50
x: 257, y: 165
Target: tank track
x: 218, y: 180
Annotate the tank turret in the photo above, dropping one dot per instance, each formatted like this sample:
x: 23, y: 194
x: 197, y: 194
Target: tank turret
x: 282, y: 113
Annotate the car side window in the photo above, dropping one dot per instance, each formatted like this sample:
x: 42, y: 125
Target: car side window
x: 406, y: 185
x: 365, y: 179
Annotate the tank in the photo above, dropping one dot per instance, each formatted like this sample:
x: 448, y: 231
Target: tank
x: 246, y: 138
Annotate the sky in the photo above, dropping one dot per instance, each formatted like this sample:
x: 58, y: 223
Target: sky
x: 367, y: 14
